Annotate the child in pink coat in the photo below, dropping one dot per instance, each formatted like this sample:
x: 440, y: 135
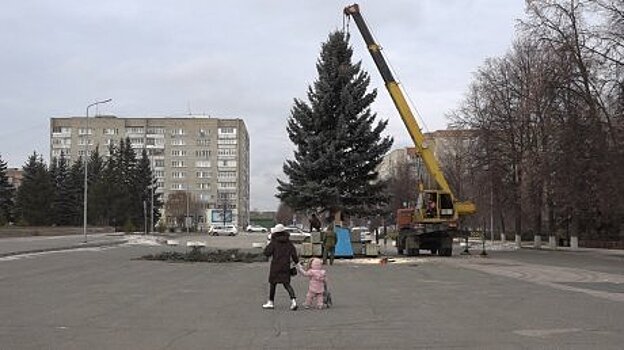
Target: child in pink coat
x: 317, y: 283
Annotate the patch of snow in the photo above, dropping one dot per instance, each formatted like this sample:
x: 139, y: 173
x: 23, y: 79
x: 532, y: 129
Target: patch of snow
x: 143, y: 240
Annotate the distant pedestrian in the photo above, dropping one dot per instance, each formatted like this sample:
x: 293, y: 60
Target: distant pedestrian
x: 282, y: 252
x: 315, y: 223
x: 317, y: 286
x: 328, y: 238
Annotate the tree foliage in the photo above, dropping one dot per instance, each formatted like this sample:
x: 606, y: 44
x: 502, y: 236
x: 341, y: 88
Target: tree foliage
x: 550, y: 122
x: 338, y: 143
x: 7, y: 193
x: 118, y: 187
x: 35, y: 196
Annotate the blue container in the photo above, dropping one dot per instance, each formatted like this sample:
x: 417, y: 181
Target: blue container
x: 343, y: 243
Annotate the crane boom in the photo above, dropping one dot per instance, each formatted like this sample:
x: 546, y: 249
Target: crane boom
x: 426, y: 154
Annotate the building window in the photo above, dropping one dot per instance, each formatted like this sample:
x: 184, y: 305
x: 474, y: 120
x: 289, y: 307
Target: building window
x: 85, y: 131
x: 203, y: 132
x: 227, y: 184
x: 177, y: 186
x: 85, y: 141
x: 204, y: 197
x: 227, y: 130
x: 202, y: 164
x: 178, y: 142
x: 156, y: 130
x: 135, y: 141
x: 110, y: 131
x: 226, y: 163
x: 155, y: 152
x: 178, y: 153
x: 227, y: 175
x: 203, y: 142
x: 178, y: 174
x: 155, y: 142
x: 226, y: 142
x: 203, y: 174
x: 227, y: 151
x: 61, y: 142
x: 159, y: 163
x: 178, y: 131
x: 135, y: 130
x: 159, y: 173
x: 227, y: 196
x: 177, y: 164
x: 203, y: 186
x: 61, y: 129
x: 203, y: 153
x: 160, y: 184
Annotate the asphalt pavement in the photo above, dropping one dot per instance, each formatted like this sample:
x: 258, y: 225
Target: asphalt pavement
x: 108, y: 298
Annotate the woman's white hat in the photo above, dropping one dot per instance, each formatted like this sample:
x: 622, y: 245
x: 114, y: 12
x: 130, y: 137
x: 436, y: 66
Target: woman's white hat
x: 278, y: 228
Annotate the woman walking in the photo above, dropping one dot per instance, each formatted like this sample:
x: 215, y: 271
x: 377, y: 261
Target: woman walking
x: 282, y: 252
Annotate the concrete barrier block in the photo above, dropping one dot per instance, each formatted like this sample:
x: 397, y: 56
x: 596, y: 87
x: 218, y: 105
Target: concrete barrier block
x: 357, y: 248
x: 317, y: 249
x: 537, y: 242
x: 315, y: 237
x: 372, y: 249
x: 306, y: 249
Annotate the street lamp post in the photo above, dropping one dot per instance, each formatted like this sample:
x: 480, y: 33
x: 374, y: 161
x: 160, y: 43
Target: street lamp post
x: 86, y: 149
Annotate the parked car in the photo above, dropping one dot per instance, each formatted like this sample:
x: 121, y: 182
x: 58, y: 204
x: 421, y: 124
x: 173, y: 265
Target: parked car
x: 223, y: 230
x: 256, y: 228
x: 296, y: 235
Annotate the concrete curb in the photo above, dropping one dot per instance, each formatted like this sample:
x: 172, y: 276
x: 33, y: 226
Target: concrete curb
x: 72, y: 247
x: 611, y: 252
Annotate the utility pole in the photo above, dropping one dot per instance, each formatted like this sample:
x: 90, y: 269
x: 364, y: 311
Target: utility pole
x: 86, y: 167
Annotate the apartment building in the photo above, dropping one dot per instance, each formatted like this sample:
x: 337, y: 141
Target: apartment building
x: 15, y: 176
x: 445, y: 144
x: 206, y: 157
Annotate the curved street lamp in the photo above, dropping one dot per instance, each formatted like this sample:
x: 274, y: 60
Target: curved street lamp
x: 85, y: 165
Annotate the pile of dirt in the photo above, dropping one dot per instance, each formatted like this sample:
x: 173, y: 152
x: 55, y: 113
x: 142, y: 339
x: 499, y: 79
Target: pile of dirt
x: 213, y: 256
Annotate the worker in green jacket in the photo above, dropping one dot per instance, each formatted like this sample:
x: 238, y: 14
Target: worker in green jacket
x: 328, y: 238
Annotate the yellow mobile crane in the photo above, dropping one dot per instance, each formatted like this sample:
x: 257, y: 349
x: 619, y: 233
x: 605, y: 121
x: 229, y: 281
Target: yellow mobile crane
x: 434, y: 221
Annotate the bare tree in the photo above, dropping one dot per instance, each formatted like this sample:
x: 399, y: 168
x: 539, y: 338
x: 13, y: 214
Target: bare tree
x: 179, y: 204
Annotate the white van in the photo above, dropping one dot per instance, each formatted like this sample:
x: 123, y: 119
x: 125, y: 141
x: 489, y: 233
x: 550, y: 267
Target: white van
x: 223, y: 230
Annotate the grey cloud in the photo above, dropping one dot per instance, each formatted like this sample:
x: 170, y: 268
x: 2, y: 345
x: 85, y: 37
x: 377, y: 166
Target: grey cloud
x: 228, y: 59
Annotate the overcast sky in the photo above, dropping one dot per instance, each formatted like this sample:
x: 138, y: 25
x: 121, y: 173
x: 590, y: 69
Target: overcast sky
x: 229, y: 59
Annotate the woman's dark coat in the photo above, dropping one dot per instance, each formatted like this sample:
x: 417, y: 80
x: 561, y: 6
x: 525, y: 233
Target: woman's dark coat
x: 282, y: 251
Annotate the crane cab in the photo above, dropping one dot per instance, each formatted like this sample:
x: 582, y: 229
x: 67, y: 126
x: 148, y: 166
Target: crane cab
x: 432, y: 207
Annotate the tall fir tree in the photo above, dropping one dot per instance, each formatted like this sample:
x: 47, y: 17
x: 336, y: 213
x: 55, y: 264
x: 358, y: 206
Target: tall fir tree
x: 7, y: 193
x: 97, y: 188
x: 62, y: 203
x: 127, y: 207
x: 111, y: 192
x: 36, y: 193
x: 75, y: 193
x: 142, y: 187
x: 338, y: 145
